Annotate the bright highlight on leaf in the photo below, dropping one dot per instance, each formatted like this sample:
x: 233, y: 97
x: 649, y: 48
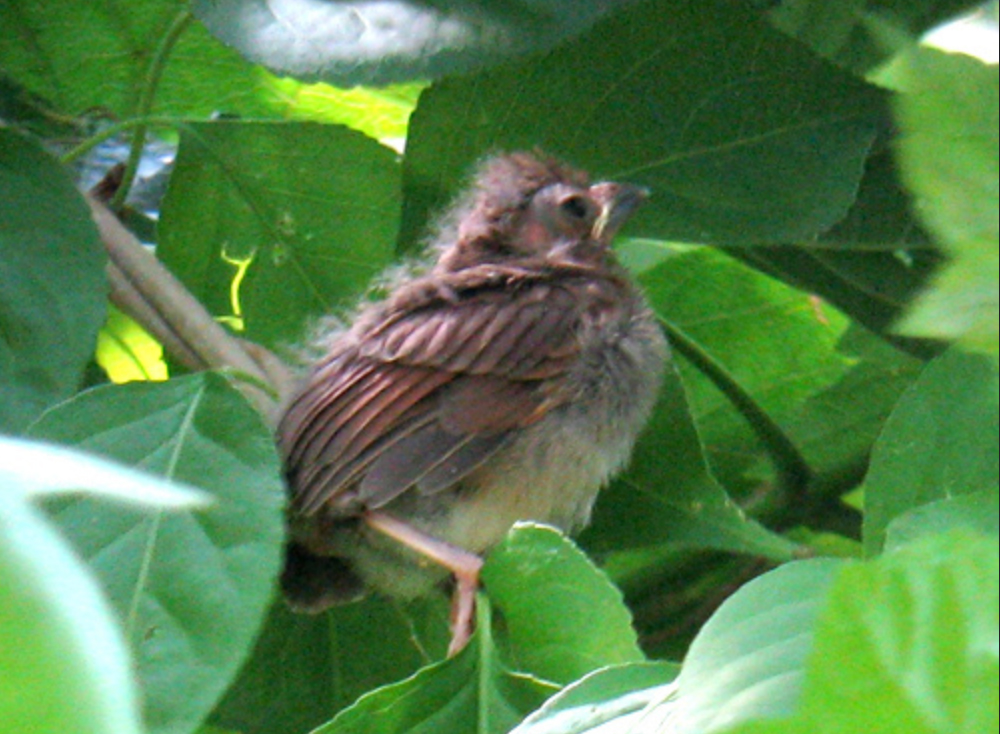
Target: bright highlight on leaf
x: 382, y: 113
x: 386, y: 41
x: 64, y: 666
x: 127, y: 352
x: 40, y: 469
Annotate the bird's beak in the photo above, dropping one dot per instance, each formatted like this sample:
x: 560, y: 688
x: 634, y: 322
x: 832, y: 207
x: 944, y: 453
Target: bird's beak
x: 617, y: 202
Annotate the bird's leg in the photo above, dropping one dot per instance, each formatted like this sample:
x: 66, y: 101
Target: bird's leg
x: 463, y: 564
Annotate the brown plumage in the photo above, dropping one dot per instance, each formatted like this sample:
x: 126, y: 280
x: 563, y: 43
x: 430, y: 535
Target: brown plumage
x: 507, y: 382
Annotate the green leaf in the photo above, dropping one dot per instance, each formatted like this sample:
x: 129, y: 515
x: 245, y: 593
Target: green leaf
x: 349, y: 43
x: 921, y: 628
x: 51, y: 282
x: 837, y: 425
x: 977, y: 512
x: 65, y: 666
x: 564, y: 617
x: 269, y: 223
x: 620, y: 694
x: 382, y: 113
x: 742, y: 137
x: 842, y: 30
x: 127, y: 352
x: 559, y: 618
x: 748, y: 660
x: 921, y: 625
x: 40, y: 469
x: 745, y: 321
x: 668, y: 494
x: 305, y: 667
x: 191, y: 588
x: 939, y: 442
x: 471, y: 692
x: 948, y: 153
x: 95, y: 56
x: 905, y: 645
x: 871, y: 264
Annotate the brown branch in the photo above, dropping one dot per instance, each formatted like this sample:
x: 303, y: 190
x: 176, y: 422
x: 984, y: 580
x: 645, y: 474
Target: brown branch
x: 144, y: 289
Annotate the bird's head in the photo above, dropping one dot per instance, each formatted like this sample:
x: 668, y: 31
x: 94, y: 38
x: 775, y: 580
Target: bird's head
x: 524, y: 207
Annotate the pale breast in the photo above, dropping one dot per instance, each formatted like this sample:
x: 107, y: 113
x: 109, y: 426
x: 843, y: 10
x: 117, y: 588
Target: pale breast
x: 552, y: 471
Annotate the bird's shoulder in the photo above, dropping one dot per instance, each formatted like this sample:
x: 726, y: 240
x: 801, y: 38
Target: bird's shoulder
x: 516, y: 321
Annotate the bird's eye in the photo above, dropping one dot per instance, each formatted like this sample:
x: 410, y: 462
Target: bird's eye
x: 576, y: 207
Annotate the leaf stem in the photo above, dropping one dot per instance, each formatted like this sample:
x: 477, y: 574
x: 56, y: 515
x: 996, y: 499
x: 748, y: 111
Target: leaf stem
x: 151, y: 83
x: 113, y: 131
x: 793, y: 471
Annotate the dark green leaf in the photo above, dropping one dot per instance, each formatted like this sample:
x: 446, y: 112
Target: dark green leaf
x: 843, y: 30
x: 191, y: 588
x: 871, y: 264
x: 305, y: 668
x: 743, y: 137
x: 92, y: 56
x: 51, y: 282
x: 349, y: 43
x: 940, y: 441
x: 471, y: 692
x: 65, y: 666
x: 745, y: 322
x: 837, y: 426
x: 871, y: 287
x: 292, y: 218
x: 563, y: 616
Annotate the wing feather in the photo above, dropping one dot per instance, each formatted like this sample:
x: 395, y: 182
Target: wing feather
x: 423, y: 394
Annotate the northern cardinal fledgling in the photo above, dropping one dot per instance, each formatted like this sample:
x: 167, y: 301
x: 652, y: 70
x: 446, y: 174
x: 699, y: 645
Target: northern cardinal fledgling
x: 507, y: 381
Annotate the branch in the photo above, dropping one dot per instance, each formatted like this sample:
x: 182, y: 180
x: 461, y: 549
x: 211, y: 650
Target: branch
x: 144, y: 289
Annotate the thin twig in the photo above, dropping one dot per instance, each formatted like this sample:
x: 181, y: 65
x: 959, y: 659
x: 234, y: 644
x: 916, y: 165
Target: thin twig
x: 151, y: 82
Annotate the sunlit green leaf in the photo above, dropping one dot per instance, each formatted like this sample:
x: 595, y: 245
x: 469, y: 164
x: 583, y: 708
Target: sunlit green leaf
x: 612, y: 700
x: 65, y: 667
x: 905, y: 645
x: 948, y: 152
x: 127, y: 352
x: 749, y: 658
x: 976, y: 512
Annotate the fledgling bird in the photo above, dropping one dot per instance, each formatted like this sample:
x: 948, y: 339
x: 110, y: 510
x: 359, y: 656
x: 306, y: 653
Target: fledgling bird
x: 506, y: 381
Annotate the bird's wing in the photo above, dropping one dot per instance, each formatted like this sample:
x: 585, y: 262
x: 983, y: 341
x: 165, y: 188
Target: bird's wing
x: 426, y: 394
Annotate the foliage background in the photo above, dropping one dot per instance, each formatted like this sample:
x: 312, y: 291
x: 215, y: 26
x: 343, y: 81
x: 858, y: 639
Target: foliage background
x: 821, y: 248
